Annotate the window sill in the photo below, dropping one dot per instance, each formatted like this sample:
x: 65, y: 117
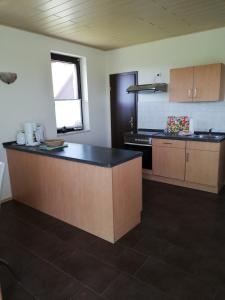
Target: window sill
x: 74, y: 132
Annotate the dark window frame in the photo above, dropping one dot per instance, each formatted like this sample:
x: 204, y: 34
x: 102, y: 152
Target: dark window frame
x: 76, y: 62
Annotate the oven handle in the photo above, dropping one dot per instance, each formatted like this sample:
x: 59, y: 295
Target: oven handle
x: 145, y: 145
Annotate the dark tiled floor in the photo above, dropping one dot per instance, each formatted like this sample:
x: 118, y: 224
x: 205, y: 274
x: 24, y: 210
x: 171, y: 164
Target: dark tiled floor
x: 177, y: 252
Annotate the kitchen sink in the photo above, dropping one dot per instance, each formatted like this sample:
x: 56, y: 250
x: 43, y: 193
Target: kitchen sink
x: 209, y: 136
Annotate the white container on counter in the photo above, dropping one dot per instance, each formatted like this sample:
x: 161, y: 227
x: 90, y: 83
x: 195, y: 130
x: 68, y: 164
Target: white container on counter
x: 191, y: 126
x: 40, y: 133
x: 20, y: 138
x: 32, y: 139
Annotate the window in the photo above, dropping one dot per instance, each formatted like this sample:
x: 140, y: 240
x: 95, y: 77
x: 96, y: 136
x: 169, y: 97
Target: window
x: 67, y: 92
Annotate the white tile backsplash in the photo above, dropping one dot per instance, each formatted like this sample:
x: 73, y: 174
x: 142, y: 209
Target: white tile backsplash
x: 153, y: 110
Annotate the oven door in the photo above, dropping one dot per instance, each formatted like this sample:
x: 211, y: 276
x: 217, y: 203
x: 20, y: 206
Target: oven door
x: 146, y: 149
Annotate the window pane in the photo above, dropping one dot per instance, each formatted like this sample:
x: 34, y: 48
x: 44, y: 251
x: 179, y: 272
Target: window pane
x: 68, y: 113
x: 64, y: 76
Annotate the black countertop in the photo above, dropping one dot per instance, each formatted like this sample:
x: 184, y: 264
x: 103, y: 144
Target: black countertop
x: 88, y: 154
x: 199, y: 137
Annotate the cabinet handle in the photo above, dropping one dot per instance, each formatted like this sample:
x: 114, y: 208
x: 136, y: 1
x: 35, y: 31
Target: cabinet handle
x: 187, y: 157
x: 167, y: 143
x: 189, y: 93
x: 195, y: 93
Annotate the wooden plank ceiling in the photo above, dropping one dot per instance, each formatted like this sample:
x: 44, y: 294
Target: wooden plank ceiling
x: 110, y: 24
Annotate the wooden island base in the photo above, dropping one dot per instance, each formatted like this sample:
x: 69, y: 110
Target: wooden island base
x: 106, y: 202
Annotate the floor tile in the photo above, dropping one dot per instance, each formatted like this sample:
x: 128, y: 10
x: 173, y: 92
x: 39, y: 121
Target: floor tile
x: 47, y: 282
x: 73, y: 237
x: 151, y: 245
x: 126, y: 287
x: 47, y: 246
x: 212, y: 271
x: 86, y: 294
x: 39, y: 277
x: 7, y: 281
x: 15, y: 255
x: 63, y: 293
x: 17, y: 292
x: 220, y: 294
x: 64, y: 231
x: 132, y: 237
x: 184, y: 259
x: 87, y: 269
x: 38, y: 241
x: 178, y: 250
x: 29, y: 215
x: 125, y: 259
x: 209, y: 248
x: 173, y: 281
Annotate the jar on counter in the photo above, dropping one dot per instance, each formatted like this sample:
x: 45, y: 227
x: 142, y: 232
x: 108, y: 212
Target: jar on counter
x: 20, y: 138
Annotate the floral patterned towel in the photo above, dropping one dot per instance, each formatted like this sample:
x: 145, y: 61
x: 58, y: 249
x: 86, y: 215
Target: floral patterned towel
x: 178, y: 124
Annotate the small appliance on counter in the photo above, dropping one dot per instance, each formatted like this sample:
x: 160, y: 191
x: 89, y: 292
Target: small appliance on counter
x: 32, y: 138
x: 32, y: 135
x: 40, y: 133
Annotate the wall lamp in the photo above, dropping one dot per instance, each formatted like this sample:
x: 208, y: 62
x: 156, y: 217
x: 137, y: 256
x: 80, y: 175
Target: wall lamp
x: 8, y: 77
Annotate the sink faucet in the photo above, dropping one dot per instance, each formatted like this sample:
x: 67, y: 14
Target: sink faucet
x: 210, y: 130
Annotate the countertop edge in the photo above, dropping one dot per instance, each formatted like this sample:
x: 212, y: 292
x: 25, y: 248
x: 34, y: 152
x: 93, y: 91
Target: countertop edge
x: 187, y: 138
x: 9, y: 145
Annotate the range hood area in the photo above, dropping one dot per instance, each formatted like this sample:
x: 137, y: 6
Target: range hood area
x: 152, y: 87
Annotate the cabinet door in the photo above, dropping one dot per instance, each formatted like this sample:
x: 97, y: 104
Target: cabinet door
x: 168, y: 162
x: 207, y: 83
x: 202, y: 167
x: 181, y: 84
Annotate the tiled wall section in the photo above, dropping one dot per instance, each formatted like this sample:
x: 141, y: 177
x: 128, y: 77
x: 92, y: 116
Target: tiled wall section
x: 153, y: 110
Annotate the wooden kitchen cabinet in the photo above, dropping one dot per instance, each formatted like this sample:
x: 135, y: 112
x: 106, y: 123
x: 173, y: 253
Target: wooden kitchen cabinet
x: 193, y: 164
x: 181, y: 83
x: 208, y: 83
x: 203, y: 163
x: 197, y: 84
x: 168, y: 158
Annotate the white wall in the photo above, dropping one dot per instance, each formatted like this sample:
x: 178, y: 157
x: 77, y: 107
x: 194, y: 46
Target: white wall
x: 158, y: 57
x: 30, y: 97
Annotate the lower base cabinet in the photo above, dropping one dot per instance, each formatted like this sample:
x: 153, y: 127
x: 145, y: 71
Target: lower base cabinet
x: 169, y: 159
x: 196, y: 164
x: 202, y: 167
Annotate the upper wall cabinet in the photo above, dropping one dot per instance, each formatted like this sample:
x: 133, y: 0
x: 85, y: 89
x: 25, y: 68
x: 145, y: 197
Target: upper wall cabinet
x: 197, y: 84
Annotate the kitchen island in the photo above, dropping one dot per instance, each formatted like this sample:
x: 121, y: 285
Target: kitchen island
x: 94, y: 188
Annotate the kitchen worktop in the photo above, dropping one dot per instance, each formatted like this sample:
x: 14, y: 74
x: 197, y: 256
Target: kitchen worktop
x: 94, y: 155
x: 199, y: 137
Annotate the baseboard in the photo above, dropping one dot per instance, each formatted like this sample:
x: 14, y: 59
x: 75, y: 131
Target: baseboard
x: 147, y: 171
x: 5, y: 200
x: 186, y: 184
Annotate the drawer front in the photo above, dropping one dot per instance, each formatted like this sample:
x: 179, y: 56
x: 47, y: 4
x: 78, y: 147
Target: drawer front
x: 204, y: 146
x: 168, y: 143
